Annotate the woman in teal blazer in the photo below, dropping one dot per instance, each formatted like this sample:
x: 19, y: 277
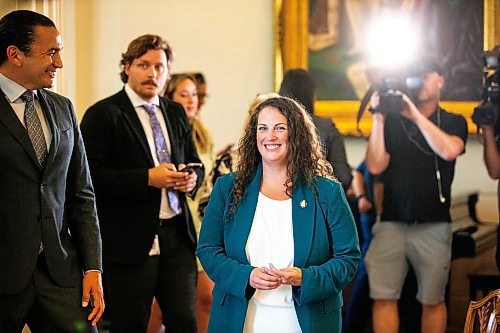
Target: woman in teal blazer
x: 281, y: 159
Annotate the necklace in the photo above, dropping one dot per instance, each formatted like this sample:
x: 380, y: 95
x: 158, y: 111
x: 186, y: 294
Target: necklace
x: 428, y: 152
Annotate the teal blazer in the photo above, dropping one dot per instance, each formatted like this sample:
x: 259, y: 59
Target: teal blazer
x: 325, y: 248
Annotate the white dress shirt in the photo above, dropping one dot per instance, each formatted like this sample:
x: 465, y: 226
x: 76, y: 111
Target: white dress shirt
x: 13, y: 92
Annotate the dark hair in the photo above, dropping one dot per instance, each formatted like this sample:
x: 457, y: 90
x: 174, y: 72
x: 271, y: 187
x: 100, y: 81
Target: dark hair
x: 199, y: 77
x: 299, y: 85
x: 306, y: 158
x: 140, y: 46
x: 18, y: 28
x: 426, y: 64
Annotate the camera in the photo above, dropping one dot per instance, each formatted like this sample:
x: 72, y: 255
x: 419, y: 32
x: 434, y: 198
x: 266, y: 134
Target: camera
x: 487, y: 112
x: 409, y: 80
x: 390, y: 100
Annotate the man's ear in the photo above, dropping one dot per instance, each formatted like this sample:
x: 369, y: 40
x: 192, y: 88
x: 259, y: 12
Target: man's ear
x: 440, y: 82
x: 14, y: 55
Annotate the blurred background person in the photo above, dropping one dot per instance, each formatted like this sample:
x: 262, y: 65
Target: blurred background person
x: 299, y: 85
x: 201, y: 86
x: 492, y: 150
x: 278, y: 237
x: 183, y: 89
x: 487, y: 117
x: 492, y: 161
x: 368, y: 191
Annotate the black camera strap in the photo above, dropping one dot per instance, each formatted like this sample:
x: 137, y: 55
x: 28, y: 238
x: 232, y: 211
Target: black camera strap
x: 362, y: 107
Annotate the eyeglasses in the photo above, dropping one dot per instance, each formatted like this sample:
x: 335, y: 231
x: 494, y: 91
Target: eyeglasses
x: 159, y: 68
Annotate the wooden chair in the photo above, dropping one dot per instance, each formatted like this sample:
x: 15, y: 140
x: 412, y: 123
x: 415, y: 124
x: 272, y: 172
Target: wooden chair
x: 487, y: 310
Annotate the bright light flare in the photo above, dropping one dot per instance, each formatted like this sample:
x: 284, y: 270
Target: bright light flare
x: 392, y: 41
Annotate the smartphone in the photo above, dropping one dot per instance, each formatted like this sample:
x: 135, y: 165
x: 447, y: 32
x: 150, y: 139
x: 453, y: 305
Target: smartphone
x: 191, y: 167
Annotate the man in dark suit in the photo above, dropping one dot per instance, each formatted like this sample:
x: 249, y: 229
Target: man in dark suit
x: 49, y: 233
x: 138, y: 143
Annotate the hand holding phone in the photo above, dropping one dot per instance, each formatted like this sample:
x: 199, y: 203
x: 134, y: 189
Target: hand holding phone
x: 191, y: 167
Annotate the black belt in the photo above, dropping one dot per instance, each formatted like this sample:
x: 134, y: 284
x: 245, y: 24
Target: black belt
x: 165, y: 222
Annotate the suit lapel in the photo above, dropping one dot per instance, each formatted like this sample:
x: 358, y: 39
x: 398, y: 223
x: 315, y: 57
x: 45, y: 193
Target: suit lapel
x: 304, y: 219
x: 16, y: 128
x: 243, y: 217
x: 132, y: 119
x: 172, y: 136
x: 49, y: 109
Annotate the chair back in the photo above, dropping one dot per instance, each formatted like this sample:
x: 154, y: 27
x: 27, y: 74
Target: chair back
x: 487, y: 311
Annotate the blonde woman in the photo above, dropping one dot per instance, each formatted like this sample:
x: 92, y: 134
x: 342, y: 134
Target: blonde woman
x: 182, y: 88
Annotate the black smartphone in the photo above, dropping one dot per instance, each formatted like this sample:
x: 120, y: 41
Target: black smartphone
x: 191, y: 167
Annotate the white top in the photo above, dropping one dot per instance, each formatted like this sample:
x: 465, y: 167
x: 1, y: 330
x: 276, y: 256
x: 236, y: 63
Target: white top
x: 271, y: 241
x: 138, y: 102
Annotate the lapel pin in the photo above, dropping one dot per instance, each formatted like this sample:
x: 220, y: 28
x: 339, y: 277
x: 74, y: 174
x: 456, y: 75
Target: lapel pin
x: 303, y: 204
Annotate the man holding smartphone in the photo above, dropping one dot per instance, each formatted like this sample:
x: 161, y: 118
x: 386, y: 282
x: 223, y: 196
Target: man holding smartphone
x: 192, y: 167
x: 138, y: 144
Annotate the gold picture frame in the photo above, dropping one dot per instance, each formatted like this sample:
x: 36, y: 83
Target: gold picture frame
x: 291, y: 33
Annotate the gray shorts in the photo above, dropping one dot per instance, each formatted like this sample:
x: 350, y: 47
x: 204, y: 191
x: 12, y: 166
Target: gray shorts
x: 426, y: 246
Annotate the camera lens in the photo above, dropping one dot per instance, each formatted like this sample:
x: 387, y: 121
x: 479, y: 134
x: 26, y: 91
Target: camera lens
x: 414, y: 82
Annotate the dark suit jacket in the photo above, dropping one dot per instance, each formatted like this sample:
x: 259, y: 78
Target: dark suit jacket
x: 55, y: 203
x: 334, y: 149
x: 325, y: 248
x: 119, y: 158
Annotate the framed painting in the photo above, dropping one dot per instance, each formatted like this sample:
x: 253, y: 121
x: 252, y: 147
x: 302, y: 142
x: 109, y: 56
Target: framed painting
x: 325, y: 37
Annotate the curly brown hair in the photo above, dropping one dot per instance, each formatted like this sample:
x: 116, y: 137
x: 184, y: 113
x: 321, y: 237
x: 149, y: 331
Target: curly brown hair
x: 140, y: 46
x: 306, y: 157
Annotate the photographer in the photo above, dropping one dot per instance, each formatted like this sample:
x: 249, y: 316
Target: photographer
x: 486, y: 114
x: 416, y: 148
x: 486, y: 117
x: 492, y: 161
x: 491, y: 151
